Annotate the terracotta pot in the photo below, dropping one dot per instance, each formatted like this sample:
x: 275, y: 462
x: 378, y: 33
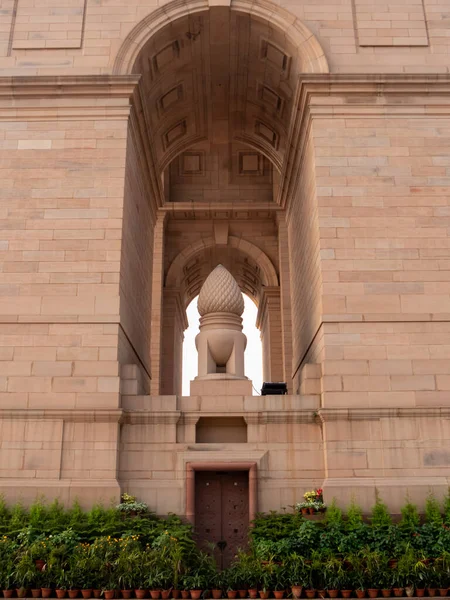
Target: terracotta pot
x: 46, y: 592
x: 305, y: 511
x: 312, y: 511
x: 386, y: 593
x: 86, y: 593
x: 195, y: 594
x: 97, y: 593
x: 346, y: 593
x: 185, y: 594
x: 40, y: 564
x: 409, y: 589
x: 8, y: 593
x: 432, y: 592
x: 420, y: 592
x: 216, y: 594
x: 373, y: 593
x: 60, y: 593
x: 109, y: 594
x: 263, y: 595
x: 232, y: 594
x: 278, y: 594
x: 310, y: 593
x: 21, y: 592
x: 443, y: 591
x: 176, y: 594
x: 126, y: 594
x: 36, y: 593
x: 155, y: 594
x: 398, y: 592
x: 253, y: 593
x: 333, y: 593
x: 360, y: 593
x: 165, y: 594
x: 322, y: 593
x: 242, y: 593
x: 140, y: 594
x: 296, y: 591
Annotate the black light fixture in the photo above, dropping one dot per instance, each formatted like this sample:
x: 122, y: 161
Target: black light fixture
x: 274, y: 388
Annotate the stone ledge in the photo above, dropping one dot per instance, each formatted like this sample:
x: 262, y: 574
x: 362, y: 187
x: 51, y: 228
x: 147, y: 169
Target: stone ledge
x: 368, y: 414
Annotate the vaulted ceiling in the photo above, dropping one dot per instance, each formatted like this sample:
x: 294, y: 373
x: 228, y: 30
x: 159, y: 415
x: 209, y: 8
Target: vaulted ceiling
x: 218, y: 88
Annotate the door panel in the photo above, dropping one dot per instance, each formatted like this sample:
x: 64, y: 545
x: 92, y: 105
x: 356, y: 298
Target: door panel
x: 221, y: 512
x: 234, y: 513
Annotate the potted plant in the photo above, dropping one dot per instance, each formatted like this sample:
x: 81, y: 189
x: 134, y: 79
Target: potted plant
x: 333, y: 575
x: 129, y: 507
x: 279, y: 581
x: 26, y: 574
x: 421, y: 575
x: 385, y: 577
x: 296, y: 574
x: 218, y: 584
x: 404, y: 573
x: 194, y: 584
x: 442, y: 570
x: 47, y: 580
x: 7, y: 574
x: 374, y: 562
x: 357, y: 572
x: 185, y: 586
x: 265, y: 582
x: 230, y: 582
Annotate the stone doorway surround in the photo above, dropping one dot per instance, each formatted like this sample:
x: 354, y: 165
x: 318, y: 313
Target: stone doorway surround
x: 192, y: 467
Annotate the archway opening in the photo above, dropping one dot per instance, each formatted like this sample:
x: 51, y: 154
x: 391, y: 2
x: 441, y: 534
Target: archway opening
x: 209, y: 136
x: 253, y: 352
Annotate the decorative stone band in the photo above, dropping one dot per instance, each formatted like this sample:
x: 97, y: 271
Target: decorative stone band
x: 262, y: 417
x: 66, y: 97
x: 367, y: 414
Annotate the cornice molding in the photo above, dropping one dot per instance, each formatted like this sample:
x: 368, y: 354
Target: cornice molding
x: 68, y: 97
x: 371, y: 414
x: 356, y: 96
x: 145, y: 417
x: 68, y: 414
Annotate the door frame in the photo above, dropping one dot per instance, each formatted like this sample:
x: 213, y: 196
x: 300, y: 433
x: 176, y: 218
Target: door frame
x: 192, y: 467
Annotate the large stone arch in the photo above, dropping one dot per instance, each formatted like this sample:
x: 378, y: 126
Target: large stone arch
x: 269, y: 277
x: 315, y: 60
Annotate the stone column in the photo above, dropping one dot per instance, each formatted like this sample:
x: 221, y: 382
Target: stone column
x: 269, y: 323
x: 157, y: 304
x: 174, y: 322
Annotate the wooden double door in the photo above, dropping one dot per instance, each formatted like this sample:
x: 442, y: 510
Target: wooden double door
x: 221, y: 512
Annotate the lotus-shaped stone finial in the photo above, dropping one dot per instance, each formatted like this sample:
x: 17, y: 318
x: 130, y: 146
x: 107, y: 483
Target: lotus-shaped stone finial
x: 220, y: 293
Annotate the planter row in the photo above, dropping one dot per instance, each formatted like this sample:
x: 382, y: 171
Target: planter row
x: 296, y: 593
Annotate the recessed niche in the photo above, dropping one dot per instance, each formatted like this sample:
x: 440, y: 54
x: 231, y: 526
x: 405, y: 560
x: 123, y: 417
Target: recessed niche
x: 250, y: 163
x: 271, y: 99
x: 192, y: 163
x: 275, y: 56
x: 170, y: 98
x: 175, y: 133
x: 221, y: 430
x: 166, y: 56
x: 267, y: 133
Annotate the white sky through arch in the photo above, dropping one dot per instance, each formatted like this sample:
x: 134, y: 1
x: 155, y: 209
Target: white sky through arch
x: 253, y: 352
